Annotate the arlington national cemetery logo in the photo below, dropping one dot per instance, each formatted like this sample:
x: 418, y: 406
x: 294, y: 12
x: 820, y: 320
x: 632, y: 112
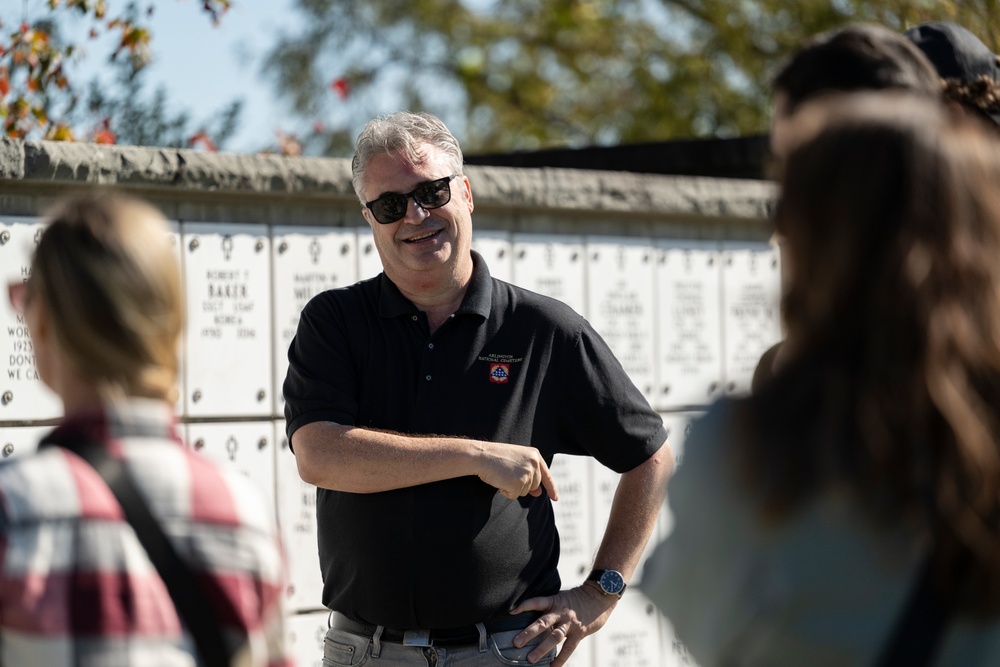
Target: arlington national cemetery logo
x: 500, y: 366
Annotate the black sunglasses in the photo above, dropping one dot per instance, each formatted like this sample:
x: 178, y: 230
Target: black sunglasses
x: 430, y: 194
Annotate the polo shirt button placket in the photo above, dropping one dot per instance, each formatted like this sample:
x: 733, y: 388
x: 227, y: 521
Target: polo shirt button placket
x: 428, y: 377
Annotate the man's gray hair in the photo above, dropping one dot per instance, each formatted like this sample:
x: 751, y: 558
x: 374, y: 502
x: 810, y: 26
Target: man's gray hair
x: 401, y: 134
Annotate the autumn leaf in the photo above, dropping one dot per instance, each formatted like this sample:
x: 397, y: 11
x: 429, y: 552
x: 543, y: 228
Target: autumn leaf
x: 103, y: 134
x: 20, y: 108
x: 60, y: 132
x: 133, y: 37
x: 11, y: 130
x: 341, y: 86
x: 202, y: 139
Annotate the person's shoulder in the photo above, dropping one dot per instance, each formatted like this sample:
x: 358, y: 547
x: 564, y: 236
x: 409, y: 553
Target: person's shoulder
x: 344, y: 297
x: 720, y: 413
x: 28, y: 484
x: 524, y: 302
x: 252, y: 500
x: 765, y: 369
x: 27, y: 463
x: 359, y: 289
x: 712, y: 437
x: 227, y: 496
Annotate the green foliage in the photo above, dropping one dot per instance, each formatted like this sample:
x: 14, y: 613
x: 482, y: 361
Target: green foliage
x: 538, y: 73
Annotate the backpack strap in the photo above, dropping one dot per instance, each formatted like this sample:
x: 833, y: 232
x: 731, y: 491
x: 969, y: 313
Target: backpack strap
x: 180, y: 579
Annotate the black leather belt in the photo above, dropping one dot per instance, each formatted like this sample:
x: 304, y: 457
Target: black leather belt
x: 461, y: 636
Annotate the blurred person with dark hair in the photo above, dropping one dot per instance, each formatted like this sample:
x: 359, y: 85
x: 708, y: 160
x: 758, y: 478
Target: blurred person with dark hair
x: 104, y: 307
x: 855, y: 58
x: 849, y: 511
x: 971, y: 72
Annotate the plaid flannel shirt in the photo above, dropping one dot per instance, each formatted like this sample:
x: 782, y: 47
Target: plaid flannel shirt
x: 77, y: 587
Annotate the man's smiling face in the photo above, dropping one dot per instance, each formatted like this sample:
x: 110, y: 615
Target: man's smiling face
x: 424, y: 246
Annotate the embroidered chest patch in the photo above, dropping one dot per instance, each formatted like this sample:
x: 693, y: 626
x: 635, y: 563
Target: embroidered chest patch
x: 499, y: 373
x: 500, y: 365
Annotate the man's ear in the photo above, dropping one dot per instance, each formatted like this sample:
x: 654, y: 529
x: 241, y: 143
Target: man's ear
x: 468, y: 192
x: 367, y: 215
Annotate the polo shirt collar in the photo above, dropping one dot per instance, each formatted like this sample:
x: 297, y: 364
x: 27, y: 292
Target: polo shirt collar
x: 479, y: 297
x: 477, y: 301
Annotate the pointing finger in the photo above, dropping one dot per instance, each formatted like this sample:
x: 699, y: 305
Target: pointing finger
x: 549, y: 483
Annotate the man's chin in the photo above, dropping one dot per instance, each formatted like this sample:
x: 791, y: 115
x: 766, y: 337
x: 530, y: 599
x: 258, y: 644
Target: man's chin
x: 427, y: 252
x: 427, y: 262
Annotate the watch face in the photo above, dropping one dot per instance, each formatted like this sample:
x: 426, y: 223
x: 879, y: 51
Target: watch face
x: 612, y: 582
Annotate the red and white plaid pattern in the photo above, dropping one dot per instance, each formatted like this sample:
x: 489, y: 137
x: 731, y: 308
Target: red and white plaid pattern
x: 76, y: 586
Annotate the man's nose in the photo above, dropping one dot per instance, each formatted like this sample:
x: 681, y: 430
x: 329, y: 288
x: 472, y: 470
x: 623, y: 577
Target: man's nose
x: 415, y: 213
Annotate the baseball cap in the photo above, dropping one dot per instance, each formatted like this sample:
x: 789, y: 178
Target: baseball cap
x: 957, y: 54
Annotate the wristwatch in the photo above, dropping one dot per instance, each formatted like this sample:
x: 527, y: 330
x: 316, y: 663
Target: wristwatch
x: 611, y: 581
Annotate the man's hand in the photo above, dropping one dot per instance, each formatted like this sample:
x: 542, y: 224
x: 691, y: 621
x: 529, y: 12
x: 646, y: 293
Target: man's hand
x: 515, y: 470
x: 568, y: 615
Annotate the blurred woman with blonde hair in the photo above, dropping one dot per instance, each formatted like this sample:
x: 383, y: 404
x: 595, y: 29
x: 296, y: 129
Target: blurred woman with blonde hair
x: 79, y: 583
x: 849, y: 512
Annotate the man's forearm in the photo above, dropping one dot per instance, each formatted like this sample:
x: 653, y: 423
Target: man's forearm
x: 634, y: 512
x: 359, y: 460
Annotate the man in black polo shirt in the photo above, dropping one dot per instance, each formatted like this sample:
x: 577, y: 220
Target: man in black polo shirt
x: 426, y: 404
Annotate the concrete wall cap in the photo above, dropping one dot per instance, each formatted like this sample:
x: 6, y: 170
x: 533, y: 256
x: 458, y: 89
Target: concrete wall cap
x: 330, y: 178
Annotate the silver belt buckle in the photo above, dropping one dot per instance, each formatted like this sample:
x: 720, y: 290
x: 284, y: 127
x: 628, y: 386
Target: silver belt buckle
x: 417, y: 638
